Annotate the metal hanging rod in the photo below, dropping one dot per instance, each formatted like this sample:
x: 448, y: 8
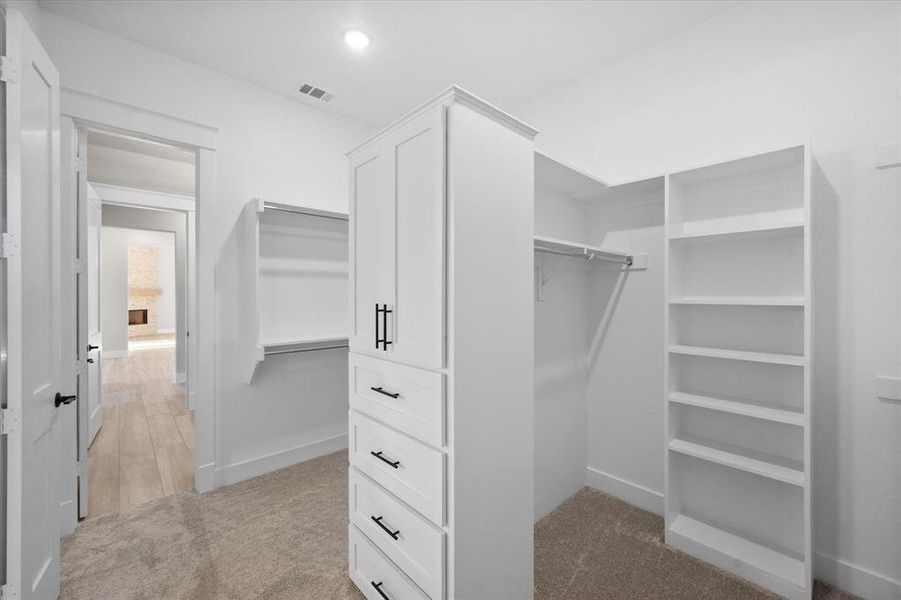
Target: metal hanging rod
x: 592, y: 255
x: 293, y: 350
x: 300, y: 210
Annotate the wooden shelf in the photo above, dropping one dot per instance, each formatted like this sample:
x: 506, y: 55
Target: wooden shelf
x: 733, y: 547
x: 740, y: 407
x: 792, y: 360
x: 774, y: 223
x: 740, y: 300
x: 758, y: 463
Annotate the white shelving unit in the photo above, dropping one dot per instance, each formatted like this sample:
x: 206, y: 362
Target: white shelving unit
x: 295, y: 273
x: 738, y: 367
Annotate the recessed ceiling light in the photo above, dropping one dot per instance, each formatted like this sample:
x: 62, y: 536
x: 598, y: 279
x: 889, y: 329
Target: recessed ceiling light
x: 356, y: 39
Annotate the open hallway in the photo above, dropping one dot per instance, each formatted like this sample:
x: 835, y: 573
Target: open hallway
x: 144, y: 449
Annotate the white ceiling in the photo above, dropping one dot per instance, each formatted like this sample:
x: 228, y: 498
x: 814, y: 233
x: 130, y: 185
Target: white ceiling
x: 509, y: 52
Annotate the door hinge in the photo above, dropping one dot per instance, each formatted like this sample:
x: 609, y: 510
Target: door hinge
x: 80, y: 468
x: 81, y: 367
x: 81, y: 165
x: 9, y: 592
x: 9, y: 420
x: 79, y: 266
x: 8, y: 245
x: 9, y: 70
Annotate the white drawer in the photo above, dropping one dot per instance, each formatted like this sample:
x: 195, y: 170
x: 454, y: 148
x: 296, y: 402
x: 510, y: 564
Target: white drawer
x: 414, y: 544
x: 376, y: 576
x: 411, y: 470
x: 407, y: 398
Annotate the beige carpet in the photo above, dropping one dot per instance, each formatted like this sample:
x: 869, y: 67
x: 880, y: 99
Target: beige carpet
x: 283, y: 535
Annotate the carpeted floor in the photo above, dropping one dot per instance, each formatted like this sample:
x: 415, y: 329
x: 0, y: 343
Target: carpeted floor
x: 283, y: 535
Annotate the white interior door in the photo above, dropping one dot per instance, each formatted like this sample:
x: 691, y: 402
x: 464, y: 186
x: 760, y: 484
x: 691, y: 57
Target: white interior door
x: 90, y: 411
x: 94, y: 336
x: 31, y: 89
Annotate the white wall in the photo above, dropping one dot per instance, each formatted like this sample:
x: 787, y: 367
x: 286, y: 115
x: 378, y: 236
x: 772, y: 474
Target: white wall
x: 165, y: 304
x: 561, y: 350
x: 269, y: 147
x: 765, y: 75
x: 114, y: 243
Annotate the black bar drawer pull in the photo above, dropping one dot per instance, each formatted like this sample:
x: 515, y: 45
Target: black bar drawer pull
x: 378, y: 521
x: 379, y: 456
x: 378, y: 588
x: 381, y: 390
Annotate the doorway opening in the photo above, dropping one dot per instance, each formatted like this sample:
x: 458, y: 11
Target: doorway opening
x: 139, y: 426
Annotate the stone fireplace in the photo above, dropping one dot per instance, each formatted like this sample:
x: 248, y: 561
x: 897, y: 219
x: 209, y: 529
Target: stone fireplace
x: 143, y: 289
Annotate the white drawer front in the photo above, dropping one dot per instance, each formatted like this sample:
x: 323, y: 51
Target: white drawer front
x: 370, y: 568
x: 414, y: 544
x: 407, y: 398
x: 409, y: 469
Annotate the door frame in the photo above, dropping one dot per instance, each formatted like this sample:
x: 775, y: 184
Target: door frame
x: 87, y: 110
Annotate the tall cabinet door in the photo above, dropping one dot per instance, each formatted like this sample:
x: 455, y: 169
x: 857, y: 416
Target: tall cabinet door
x: 419, y: 155
x: 372, y: 241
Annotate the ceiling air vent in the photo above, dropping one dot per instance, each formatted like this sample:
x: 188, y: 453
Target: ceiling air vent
x: 314, y: 92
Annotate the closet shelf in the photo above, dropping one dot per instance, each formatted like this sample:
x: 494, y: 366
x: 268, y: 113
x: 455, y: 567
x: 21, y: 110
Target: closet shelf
x: 792, y: 360
x: 286, y: 346
x: 758, y: 463
x: 740, y: 300
x: 775, y: 223
x: 566, y: 248
x: 740, y: 407
x: 733, y: 547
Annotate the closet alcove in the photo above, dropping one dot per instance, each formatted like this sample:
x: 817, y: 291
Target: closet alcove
x: 681, y: 305
x: 598, y: 331
x: 294, y: 281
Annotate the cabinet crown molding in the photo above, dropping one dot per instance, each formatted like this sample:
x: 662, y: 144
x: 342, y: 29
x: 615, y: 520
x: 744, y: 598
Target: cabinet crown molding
x: 455, y: 94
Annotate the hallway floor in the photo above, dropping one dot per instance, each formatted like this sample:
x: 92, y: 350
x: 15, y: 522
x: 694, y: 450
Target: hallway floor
x: 143, y: 451
x: 284, y: 535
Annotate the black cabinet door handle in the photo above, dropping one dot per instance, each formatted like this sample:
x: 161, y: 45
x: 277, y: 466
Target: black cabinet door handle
x: 60, y: 400
x: 378, y: 588
x: 378, y: 521
x: 90, y: 360
x: 380, y: 390
x: 378, y: 455
x: 92, y: 347
x: 384, y: 311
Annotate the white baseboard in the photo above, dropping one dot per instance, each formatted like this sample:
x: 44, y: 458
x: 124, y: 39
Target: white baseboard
x: 855, y: 579
x: 162, y: 330
x: 278, y: 460
x: 205, y: 478
x: 627, y: 491
x: 68, y: 514
x: 181, y: 378
x: 841, y: 574
x: 113, y: 354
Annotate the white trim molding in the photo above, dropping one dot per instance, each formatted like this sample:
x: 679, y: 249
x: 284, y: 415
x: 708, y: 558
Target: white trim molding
x: 253, y: 467
x: 627, y: 491
x: 110, y: 114
x: 127, y: 196
x: 855, y: 579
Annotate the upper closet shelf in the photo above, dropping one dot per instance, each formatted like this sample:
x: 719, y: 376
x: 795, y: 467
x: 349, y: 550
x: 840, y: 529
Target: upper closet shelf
x: 303, y: 210
x: 565, y: 248
x: 288, y: 346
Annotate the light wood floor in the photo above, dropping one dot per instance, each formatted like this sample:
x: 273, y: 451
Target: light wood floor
x: 144, y: 449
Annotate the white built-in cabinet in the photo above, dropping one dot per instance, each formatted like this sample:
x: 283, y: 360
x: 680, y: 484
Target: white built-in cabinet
x: 398, y: 203
x: 738, y: 367
x: 294, y: 281
x: 441, y: 359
